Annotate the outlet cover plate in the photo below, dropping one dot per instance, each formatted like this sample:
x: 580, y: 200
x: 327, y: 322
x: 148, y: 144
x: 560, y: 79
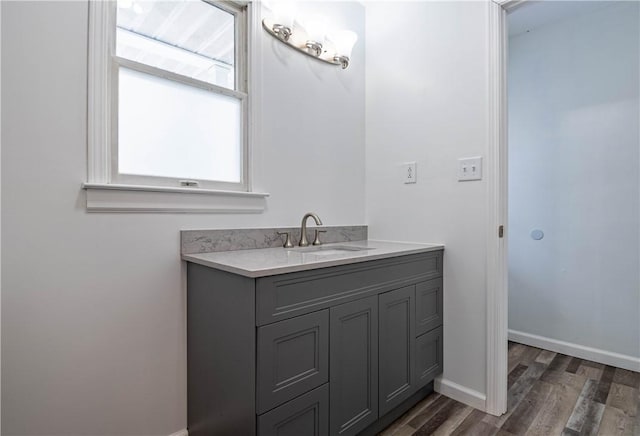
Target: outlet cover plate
x: 409, y: 174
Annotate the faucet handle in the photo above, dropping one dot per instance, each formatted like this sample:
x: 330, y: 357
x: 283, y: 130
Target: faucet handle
x: 316, y: 240
x: 287, y: 243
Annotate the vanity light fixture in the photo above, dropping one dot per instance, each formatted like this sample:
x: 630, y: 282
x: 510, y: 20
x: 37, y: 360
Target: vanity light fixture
x: 343, y: 40
x: 310, y: 38
x: 284, y: 12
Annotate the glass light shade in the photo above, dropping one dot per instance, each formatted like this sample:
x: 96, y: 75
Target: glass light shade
x: 343, y: 40
x: 316, y: 29
x: 284, y: 12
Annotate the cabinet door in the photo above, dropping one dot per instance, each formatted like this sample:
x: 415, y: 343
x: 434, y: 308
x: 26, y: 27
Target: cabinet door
x: 293, y: 358
x: 306, y: 415
x: 428, y: 356
x: 396, y: 347
x: 428, y: 305
x: 353, y: 366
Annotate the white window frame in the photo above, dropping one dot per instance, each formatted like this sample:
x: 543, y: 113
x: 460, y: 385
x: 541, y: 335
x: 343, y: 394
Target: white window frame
x: 109, y: 191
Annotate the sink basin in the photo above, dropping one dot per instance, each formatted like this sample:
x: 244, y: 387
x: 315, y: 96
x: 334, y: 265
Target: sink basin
x: 330, y: 250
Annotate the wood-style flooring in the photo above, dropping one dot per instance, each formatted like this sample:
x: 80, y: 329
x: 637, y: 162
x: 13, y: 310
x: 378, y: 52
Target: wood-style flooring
x: 549, y: 394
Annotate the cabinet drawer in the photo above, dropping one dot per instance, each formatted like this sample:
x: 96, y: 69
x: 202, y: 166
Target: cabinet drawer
x: 293, y: 358
x: 288, y: 295
x: 428, y: 306
x: 307, y: 415
x: 428, y: 356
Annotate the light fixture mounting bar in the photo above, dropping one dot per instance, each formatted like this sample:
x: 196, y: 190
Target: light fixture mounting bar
x: 298, y: 41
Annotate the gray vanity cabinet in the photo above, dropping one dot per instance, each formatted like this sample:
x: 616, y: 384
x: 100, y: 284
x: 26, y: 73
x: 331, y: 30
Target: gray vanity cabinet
x: 307, y: 415
x: 354, y: 366
x: 428, y: 356
x: 342, y: 350
x: 397, y: 347
x: 428, y: 305
x: 293, y: 357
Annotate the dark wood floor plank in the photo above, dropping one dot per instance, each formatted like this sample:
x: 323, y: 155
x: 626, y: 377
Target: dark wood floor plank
x: 522, y: 386
x: 575, y: 381
x: 528, y: 409
x: 590, y: 371
x: 593, y: 418
x: 410, y: 414
x: 605, y: 384
x: 454, y: 420
x: 555, y: 413
x: 437, y: 420
x: 530, y: 355
x: 579, y: 414
x: 513, y: 356
x: 559, y: 363
x: 546, y: 357
x: 615, y: 423
x: 549, y: 394
x: 624, y: 398
x: 517, y: 392
x: 502, y: 432
x: 515, y: 375
x: 427, y: 413
x: 574, y: 365
x: 471, y: 425
x: 627, y: 378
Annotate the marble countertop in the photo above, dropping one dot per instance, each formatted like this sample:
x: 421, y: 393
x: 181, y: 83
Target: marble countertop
x: 271, y: 261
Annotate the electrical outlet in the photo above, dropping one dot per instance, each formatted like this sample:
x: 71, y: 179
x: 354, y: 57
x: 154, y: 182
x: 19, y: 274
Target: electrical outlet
x: 469, y: 168
x: 409, y: 174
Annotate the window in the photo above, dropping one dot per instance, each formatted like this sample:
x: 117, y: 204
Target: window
x: 168, y: 102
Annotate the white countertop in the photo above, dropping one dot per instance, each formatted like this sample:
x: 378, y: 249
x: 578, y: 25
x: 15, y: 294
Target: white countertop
x: 271, y: 261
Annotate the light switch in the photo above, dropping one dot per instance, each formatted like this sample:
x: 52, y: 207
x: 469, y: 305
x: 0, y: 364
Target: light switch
x: 469, y: 168
x: 409, y: 174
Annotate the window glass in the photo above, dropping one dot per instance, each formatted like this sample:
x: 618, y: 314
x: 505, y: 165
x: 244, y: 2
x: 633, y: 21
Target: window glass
x: 169, y: 129
x: 187, y: 37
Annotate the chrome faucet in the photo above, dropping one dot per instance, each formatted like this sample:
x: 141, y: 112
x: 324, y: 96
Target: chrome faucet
x: 303, y: 228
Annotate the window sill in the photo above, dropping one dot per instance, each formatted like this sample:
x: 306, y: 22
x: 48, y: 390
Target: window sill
x: 105, y: 197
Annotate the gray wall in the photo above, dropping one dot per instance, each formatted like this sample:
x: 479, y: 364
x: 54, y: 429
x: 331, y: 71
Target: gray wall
x: 93, y: 306
x: 427, y: 102
x: 574, y: 173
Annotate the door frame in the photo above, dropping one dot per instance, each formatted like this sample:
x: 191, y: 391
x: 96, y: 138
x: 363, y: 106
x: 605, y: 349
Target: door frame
x: 497, y: 198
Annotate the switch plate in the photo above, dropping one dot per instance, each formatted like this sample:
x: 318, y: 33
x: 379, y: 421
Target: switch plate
x: 469, y: 168
x: 409, y: 174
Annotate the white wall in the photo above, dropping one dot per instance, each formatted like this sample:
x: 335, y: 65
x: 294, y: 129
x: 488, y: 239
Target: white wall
x: 93, y: 310
x: 427, y: 102
x: 574, y: 173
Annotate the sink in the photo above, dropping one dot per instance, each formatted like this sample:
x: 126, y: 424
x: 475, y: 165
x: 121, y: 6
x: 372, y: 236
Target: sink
x: 331, y: 249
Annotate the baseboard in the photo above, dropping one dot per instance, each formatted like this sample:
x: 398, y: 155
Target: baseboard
x: 180, y: 433
x: 472, y: 398
x: 594, y: 354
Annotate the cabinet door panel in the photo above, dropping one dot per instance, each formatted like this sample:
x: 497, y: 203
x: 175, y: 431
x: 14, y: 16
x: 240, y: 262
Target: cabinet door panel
x: 396, y: 347
x: 428, y: 356
x: 306, y: 415
x: 354, y: 366
x: 428, y: 305
x: 293, y: 357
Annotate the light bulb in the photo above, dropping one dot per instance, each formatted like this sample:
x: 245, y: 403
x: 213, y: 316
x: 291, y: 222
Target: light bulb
x: 315, y: 30
x: 343, y: 40
x: 284, y: 12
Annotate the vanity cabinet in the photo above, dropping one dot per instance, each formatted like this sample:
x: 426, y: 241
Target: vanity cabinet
x: 354, y: 366
x: 397, y: 347
x: 341, y: 350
